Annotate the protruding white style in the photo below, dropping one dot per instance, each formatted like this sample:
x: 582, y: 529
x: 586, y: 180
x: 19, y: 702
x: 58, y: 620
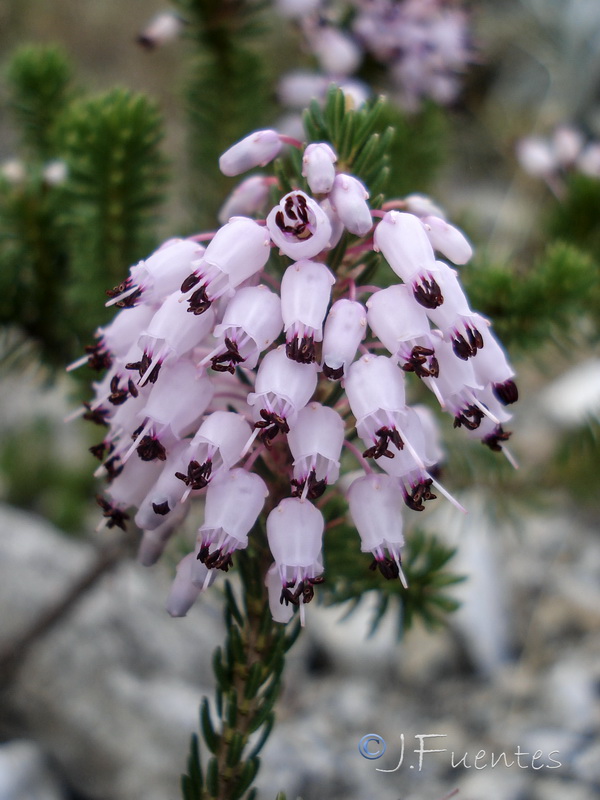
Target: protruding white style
x: 255, y: 150
x: 280, y: 611
x: 345, y: 328
x: 318, y: 167
x: 305, y: 294
x: 376, y: 507
x: 298, y: 226
x: 348, y: 199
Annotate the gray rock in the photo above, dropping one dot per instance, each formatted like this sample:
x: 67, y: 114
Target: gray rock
x: 25, y: 774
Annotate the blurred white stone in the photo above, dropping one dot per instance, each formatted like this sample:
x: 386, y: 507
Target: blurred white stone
x: 25, y: 775
x: 574, y: 396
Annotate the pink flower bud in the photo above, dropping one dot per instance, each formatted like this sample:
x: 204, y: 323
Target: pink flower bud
x: 255, y: 150
x: 315, y: 440
x: 422, y: 206
x: 247, y: 199
x: 305, y: 294
x: 165, y: 27
x: 376, y: 507
x: 345, y: 328
x: 233, y: 502
x: 447, y: 240
x: 298, y: 226
x: 336, y: 52
x: 348, y: 199
x: 318, y: 167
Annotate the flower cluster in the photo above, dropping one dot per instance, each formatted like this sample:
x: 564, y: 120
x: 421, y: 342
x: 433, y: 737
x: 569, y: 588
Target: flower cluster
x: 424, y: 46
x: 225, y: 383
x: 551, y: 158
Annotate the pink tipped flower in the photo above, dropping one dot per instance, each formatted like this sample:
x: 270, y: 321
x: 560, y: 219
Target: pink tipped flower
x: 318, y: 167
x: 305, y: 294
x: 255, y: 150
x: 237, y: 251
x: 447, y: 239
x: 376, y: 507
x: 233, y: 503
x: 315, y: 440
x: 282, y: 388
x: 348, y: 199
x: 298, y: 226
x: 345, y: 328
x: 247, y: 199
x: 401, y: 325
x: 184, y: 589
x: 295, y: 534
x: 403, y: 241
x: 251, y: 322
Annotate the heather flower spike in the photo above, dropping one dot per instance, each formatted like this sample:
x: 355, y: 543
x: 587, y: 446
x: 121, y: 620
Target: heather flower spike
x: 231, y: 377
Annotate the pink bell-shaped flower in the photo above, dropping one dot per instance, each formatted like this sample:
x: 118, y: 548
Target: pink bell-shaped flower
x: 403, y: 241
x: 401, y: 325
x: 216, y: 447
x: 186, y: 587
x: 167, y: 493
x: 348, y: 198
x: 233, y: 502
x: 318, y: 167
x: 255, y: 150
x: 171, y: 334
x: 376, y: 393
x: 295, y: 534
x: 237, y: 251
x: 251, y: 322
x: 282, y: 388
x: 298, y: 226
x: 376, y: 508
x: 247, y: 199
x: 315, y: 440
x: 305, y: 294
x: 491, y: 365
x: 454, y: 317
x: 345, y: 328
x: 159, y: 275
x: 447, y: 239
x: 153, y: 543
